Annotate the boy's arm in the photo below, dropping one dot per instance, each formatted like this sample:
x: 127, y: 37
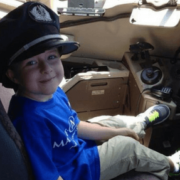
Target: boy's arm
x: 97, y: 132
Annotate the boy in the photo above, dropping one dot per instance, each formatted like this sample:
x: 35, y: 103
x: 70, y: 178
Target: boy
x: 59, y: 145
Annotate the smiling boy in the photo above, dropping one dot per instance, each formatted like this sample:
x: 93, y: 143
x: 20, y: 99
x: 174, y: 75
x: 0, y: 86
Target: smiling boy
x: 39, y: 76
x: 59, y: 145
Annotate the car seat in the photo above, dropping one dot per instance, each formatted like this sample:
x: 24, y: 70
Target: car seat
x: 14, y: 162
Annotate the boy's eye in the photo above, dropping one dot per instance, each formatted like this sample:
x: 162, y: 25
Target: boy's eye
x: 30, y: 63
x: 52, y: 57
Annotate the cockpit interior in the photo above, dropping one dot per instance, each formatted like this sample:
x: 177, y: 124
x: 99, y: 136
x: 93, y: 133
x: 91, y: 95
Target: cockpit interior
x: 128, y: 61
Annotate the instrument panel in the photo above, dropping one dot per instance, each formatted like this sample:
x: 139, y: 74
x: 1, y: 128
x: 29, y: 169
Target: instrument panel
x: 154, y: 81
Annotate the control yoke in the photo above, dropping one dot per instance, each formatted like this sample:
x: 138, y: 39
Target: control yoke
x: 151, y: 74
x: 141, y: 47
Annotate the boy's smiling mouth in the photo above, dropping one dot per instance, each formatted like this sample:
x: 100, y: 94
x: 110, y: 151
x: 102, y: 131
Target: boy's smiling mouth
x: 47, y: 80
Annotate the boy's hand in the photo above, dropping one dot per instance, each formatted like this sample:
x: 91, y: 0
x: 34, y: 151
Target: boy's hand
x: 128, y: 132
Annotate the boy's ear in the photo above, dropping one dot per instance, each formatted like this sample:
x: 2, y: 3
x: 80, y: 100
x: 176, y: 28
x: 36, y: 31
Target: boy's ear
x: 10, y: 74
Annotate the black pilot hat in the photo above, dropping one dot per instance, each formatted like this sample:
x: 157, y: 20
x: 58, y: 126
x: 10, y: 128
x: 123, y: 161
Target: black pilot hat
x: 28, y: 30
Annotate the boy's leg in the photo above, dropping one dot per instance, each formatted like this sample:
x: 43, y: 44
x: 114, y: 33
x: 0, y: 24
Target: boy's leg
x: 121, y: 154
x: 119, y: 121
x: 153, y: 115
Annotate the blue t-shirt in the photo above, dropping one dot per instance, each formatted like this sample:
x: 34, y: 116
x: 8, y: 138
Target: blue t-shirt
x: 49, y: 131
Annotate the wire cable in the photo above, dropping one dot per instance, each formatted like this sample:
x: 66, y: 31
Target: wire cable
x: 71, y: 23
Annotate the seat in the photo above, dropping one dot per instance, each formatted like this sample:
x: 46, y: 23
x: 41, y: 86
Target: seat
x: 14, y: 162
x: 5, y: 96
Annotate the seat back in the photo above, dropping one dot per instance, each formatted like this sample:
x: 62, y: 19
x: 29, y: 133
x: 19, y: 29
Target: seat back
x: 14, y: 162
x: 5, y: 96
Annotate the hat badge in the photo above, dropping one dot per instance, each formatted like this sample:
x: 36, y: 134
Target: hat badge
x: 40, y: 13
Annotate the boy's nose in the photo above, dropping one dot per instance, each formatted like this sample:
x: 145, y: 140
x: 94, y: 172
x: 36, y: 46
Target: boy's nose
x: 45, y: 68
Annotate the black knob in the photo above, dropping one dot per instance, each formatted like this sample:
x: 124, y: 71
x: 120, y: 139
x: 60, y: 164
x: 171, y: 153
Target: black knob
x: 149, y: 72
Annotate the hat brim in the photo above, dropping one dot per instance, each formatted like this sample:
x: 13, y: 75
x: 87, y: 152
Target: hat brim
x: 64, y: 47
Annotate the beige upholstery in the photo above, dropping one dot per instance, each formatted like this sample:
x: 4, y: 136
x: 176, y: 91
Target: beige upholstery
x: 5, y: 96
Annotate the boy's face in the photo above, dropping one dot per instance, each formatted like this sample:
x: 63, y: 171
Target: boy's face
x: 38, y: 77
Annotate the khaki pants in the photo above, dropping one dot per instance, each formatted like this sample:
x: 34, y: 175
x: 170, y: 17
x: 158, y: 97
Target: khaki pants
x: 121, y: 154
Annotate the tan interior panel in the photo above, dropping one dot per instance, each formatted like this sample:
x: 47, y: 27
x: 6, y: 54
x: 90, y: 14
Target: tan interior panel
x: 94, y: 95
x: 95, y: 92
x: 84, y: 116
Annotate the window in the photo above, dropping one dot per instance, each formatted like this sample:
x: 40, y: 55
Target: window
x: 8, y: 5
